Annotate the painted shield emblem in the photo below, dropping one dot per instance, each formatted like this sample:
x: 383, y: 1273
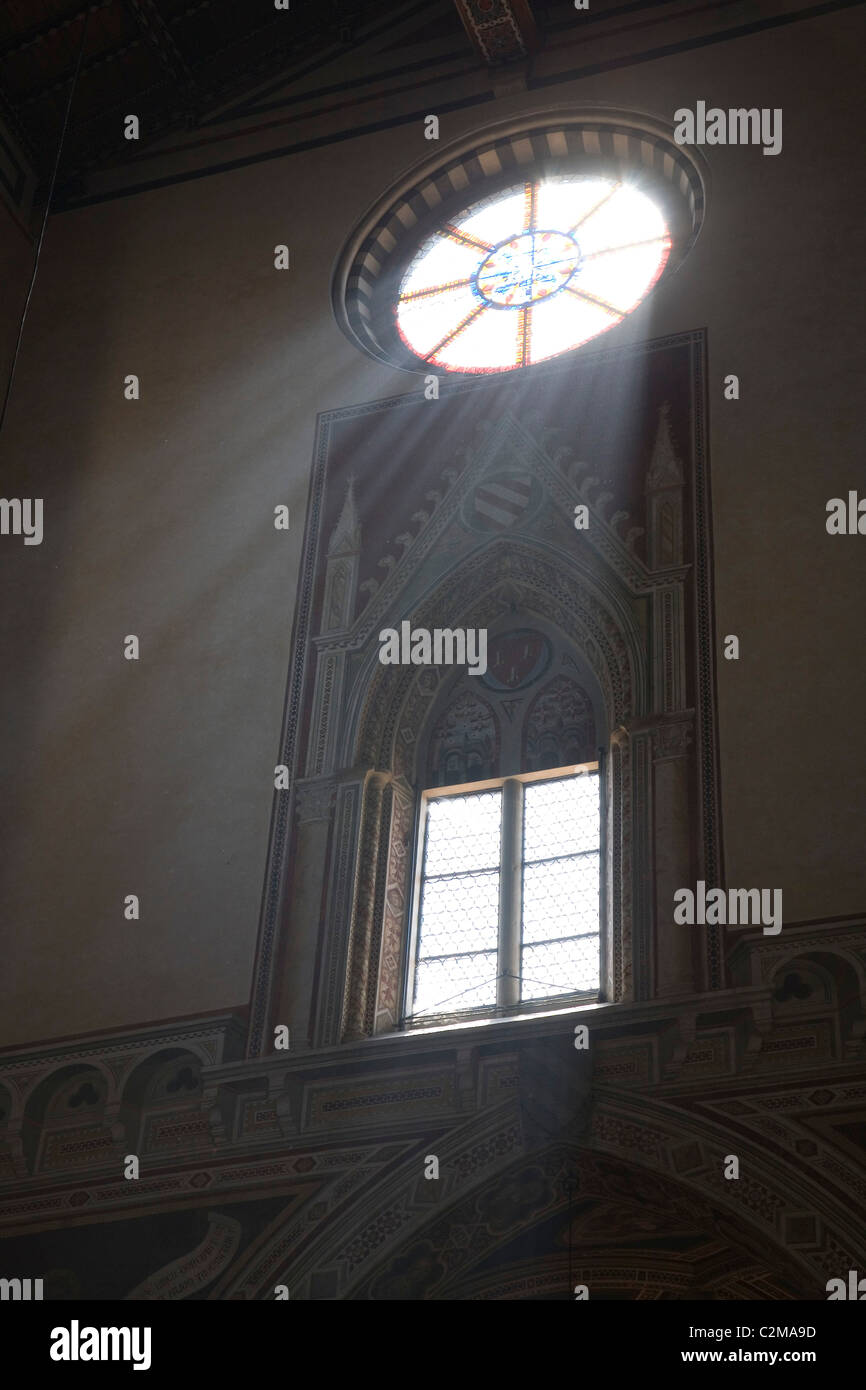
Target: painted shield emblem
x: 502, y: 500
x: 516, y: 659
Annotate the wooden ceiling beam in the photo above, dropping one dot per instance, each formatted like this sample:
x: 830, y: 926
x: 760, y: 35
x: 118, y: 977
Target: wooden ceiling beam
x: 155, y: 29
x: 502, y: 31
x: 47, y: 31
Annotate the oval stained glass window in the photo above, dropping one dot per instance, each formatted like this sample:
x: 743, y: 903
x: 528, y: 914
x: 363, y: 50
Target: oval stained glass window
x: 532, y: 272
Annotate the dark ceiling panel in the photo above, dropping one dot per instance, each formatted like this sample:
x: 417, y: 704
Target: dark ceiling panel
x: 166, y: 61
x: 174, y: 62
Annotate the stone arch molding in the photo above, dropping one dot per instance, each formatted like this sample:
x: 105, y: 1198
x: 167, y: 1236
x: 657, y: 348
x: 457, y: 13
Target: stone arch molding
x: 840, y: 962
x: 604, y: 568
x: 531, y: 578
x: 34, y: 1087
x: 368, y: 718
x: 591, y: 584
x: 509, y: 718
x: 387, y: 714
x: 392, y: 1213
x: 620, y: 604
x: 464, y: 738
x: 839, y: 975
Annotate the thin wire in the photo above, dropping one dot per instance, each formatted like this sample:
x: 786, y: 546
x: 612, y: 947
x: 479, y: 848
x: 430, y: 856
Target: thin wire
x: 503, y: 974
x: 48, y: 202
x: 431, y: 1007
x: 548, y: 984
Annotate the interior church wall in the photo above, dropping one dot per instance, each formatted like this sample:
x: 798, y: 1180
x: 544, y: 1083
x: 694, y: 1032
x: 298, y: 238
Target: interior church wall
x: 156, y: 777
x: 16, y: 258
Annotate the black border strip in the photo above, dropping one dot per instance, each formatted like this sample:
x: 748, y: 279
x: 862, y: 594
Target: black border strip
x: 668, y: 50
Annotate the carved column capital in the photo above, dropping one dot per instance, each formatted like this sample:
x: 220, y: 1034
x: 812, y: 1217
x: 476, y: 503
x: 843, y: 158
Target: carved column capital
x: 671, y: 735
x: 672, y: 739
x: 314, y: 798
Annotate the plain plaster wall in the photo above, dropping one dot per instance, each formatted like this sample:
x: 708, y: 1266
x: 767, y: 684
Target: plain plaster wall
x: 156, y: 777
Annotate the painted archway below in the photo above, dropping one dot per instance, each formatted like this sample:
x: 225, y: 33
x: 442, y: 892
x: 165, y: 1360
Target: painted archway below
x: 567, y: 1217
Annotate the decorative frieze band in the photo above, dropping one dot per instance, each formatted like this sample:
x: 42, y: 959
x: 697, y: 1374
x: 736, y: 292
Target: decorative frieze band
x: 671, y: 736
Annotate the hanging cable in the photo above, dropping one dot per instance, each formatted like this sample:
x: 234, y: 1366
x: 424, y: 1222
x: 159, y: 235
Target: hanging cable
x: 433, y: 1008
x: 48, y: 202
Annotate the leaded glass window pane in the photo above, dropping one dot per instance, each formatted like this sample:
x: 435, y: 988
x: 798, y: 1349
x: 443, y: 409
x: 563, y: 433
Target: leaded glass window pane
x: 561, y: 852
x: 470, y: 924
x: 458, y: 927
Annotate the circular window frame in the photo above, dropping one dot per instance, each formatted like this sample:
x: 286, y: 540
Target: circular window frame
x: 576, y: 143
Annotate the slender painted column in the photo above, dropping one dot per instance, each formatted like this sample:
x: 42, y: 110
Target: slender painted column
x: 510, y: 893
x: 674, y: 861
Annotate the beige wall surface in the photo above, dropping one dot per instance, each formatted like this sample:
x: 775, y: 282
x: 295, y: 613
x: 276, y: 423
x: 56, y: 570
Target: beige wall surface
x: 155, y: 777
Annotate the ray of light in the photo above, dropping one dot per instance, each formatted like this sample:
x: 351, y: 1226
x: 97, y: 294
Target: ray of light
x: 596, y: 207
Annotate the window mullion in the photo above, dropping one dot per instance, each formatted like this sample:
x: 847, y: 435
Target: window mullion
x: 510, y: 893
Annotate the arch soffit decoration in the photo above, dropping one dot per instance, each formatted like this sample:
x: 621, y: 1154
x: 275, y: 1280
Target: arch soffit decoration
x: 385, y: 714
x: 639, y: 1179
x: 604, y: 573
x: 778, y: 1185
x: 447, y: 695
x: 845, y: 970
x: 34, y: 1095
x: 38, y: 1102
x: 841, y: 959
x: 580, y: 675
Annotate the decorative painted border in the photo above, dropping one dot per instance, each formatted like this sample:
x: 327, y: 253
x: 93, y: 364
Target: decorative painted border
x: 501, y: 30
x: 711, y: 846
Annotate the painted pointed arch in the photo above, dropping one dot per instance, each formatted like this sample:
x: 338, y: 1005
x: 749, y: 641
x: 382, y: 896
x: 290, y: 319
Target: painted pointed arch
x: 504, y: 576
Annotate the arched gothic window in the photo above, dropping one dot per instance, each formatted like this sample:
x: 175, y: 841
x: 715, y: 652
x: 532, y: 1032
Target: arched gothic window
x: 598, y: 640
x: 507, y: 898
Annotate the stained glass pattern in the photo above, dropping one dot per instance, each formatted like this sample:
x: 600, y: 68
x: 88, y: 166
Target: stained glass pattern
x: 533, y: 272
x: 561, y: 848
